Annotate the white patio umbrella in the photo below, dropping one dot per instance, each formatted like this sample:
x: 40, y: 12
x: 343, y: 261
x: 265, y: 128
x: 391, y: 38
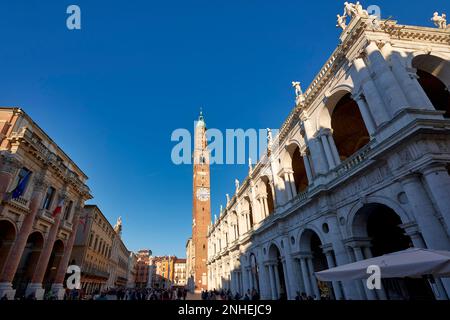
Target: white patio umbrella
x: 413, y: 262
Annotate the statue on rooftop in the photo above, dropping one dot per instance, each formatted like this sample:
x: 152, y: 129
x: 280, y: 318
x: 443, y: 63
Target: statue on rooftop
x: 440, y: 21
x: 341, y: 21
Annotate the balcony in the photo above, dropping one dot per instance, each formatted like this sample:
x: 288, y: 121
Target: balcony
x: 353, y: 161
x: 19, y: 202
x: 46, y: 215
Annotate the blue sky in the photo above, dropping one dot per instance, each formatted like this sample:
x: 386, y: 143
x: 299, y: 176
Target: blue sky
x: 112, y: 93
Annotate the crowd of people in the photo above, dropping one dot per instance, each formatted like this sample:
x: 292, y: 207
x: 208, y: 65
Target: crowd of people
x: 138, y: 294
x: 228, y: 295
x: 134, y: 294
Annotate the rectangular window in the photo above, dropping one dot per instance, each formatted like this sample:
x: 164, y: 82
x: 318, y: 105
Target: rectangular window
x: 23, y: 173
x: 48, y: 198
x: 68, y: 210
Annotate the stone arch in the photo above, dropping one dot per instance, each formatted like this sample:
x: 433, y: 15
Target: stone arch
x: 404, y: 217
x: 435, y: 63
x: 338, y: 111
x: 311, y: 245
x: 28, y: 261
x: 276, y: 272
x: 304, y: 237
x: 8, y: 233
x: 381, y: 227
x: 53, y: 263
x: 434, y: 78
x: 332, y: 97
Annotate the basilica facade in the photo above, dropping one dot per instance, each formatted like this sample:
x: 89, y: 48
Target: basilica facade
x: 360, y: 168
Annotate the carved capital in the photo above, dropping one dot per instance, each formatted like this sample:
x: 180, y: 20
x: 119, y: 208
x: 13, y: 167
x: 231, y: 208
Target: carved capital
x: 39, y: 183
x: 10, y: 163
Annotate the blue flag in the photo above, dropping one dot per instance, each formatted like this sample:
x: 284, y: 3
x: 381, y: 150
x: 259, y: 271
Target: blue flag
x: 20, y: 189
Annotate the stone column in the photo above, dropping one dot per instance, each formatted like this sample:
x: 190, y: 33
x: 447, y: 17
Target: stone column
x: 266, y: 207
x: 290, y: 275
x: 35, y: 287
x: 334, y: 150
x: 422, y: 208
x: 349, y: 287
x: 272, y: 282
x: 57, y: 286
x: 385, y: 80
x: 375, y: 103
x: 335, y: 284
x: 318, y: 155
x: 287, y: 186
x: 305, y: 275
x: 15, y: 253
x: 313, y: 278
x: 408, y: 81
x: 292, y: 182
x: 298, y: 275
x: 365, y: 112
x: 288, y: 281
x: 308, y: 168
x: 328, y: 152
x: 437, y: 179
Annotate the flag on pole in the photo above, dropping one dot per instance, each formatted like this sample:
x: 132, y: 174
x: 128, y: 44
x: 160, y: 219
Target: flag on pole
x: 20, y: 188
x: 58, y: 208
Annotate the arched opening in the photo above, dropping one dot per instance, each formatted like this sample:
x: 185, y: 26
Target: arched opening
x: 248, y: 206
x: 278, y: 273
x: 381, y: 225
x: 300, y: 176
x: 53, y: 264
x: 254, y: 272
x: 28, y: 261
x: 434, y: 77
x: 270, y: 198
x: 349, y: 131
x: 311, y: 243
x: 436, y: 91
x: 7, y: 237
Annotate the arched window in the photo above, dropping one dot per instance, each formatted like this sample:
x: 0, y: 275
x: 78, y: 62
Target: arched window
x: 349, y: 130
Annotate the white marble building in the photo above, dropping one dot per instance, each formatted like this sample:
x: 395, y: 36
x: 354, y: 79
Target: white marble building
x: 360, y: 168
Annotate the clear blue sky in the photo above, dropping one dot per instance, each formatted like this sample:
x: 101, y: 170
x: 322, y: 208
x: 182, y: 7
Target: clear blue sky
x: 111, y: 94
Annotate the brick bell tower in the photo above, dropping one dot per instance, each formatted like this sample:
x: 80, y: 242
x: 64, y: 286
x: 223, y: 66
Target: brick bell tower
x: 201, y: 213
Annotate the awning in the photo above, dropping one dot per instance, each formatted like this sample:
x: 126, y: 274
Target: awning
x: 413, y: 262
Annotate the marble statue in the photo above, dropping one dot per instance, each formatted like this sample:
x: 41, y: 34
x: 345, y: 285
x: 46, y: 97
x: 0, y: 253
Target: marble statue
x: 360, y: 12
x: 228, y: 198
x: 298, y: 88
x: 269, y: 137
x: 236, y: 183
x: 250, y: 166
x: 440, y: 21
x: 354, y: 10
x: 341, y: 21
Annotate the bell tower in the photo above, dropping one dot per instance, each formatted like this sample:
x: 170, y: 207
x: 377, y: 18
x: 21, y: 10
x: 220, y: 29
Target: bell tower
x: 201, y: 213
